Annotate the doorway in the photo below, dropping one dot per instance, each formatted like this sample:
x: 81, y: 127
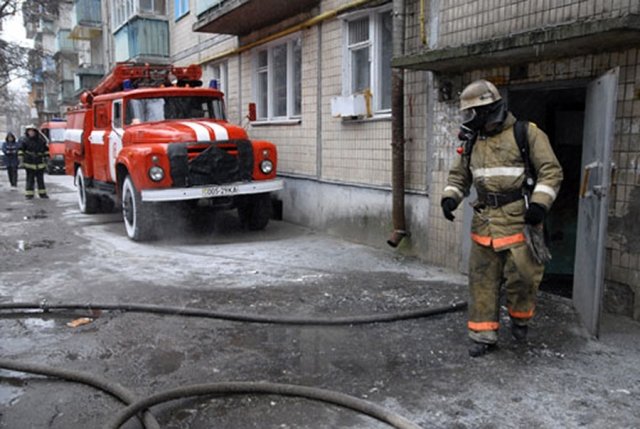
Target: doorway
x: 559, y: 112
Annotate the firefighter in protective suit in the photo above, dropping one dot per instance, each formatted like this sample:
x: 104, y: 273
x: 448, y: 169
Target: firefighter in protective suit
x: 492, y: 161
x: 34, y: 154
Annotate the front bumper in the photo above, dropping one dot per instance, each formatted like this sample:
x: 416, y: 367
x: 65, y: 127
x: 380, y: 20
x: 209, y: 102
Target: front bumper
x: 56, y: 165
x: 212, y: 191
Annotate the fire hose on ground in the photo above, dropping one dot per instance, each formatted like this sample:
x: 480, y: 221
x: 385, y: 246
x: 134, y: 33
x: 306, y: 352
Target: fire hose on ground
x: 135, y: 407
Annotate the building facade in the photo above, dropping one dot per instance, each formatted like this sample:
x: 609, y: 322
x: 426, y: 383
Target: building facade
x: 319, y: 75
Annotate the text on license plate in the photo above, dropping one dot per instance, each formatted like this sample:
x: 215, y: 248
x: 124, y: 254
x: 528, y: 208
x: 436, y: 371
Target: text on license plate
x: 218, y: 191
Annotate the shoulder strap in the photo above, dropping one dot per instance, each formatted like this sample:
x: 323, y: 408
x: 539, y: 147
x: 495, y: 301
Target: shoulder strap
x: 522, y: 139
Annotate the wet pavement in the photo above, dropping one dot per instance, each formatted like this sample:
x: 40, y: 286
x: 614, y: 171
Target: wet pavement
x: 418, y: 368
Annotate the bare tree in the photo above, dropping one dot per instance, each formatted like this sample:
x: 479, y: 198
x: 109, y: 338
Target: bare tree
x: 17, y: 61
x: 8, y: 8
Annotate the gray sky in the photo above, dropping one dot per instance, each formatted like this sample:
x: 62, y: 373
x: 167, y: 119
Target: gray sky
x: 14, y: 31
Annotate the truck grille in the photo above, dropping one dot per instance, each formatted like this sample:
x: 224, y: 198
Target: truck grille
x: 215, y: 163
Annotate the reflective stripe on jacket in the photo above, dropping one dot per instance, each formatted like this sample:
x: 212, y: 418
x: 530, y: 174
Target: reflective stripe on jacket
x: 496, y: 166
x: 34, y: 152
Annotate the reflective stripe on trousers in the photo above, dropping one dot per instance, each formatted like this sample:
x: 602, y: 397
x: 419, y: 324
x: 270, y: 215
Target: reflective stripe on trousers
x: 487, y: 269
x: 500, y: 242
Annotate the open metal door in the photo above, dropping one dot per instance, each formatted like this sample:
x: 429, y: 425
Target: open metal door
x: 588, y: 284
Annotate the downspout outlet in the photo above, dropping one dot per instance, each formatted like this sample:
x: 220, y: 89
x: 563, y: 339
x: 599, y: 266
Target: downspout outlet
x: 396, y: 237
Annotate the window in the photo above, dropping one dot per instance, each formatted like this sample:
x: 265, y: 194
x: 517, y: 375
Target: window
x: 217, y: 71
x: 278, y: 81
x: 117, y: 114
x: 123, y: 10
x: 181, y: 8
x: 367, y: 57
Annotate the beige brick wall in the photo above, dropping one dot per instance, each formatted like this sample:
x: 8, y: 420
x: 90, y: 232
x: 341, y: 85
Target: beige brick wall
x: 464, y: 21
x: 296, y: 142
x: 623, y: 256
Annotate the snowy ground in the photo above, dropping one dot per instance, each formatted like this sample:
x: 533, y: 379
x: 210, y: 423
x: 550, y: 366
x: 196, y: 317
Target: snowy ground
x: 418, y: 368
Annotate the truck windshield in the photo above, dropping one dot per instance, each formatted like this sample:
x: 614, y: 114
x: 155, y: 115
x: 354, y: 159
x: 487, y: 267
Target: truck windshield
x: 141, y: 110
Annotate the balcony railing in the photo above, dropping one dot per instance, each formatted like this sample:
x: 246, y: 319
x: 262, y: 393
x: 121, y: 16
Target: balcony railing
x: 204, y: 5
x: 64, y: 42
x: 142, y: 39
x: 86, y: 19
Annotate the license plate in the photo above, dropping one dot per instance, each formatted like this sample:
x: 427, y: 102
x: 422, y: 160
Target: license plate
x: 219, y: 191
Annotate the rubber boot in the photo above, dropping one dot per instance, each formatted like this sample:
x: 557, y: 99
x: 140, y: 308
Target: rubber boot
x: 479, y: 349
x: 519, y: 332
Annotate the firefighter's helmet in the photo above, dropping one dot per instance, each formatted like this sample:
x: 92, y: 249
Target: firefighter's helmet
x: 479, y: 93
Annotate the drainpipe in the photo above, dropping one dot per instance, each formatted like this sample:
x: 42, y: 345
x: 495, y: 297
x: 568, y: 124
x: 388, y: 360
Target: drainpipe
x: 397, y: 129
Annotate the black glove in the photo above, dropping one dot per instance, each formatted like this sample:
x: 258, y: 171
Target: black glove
x: 534, y: 214
x: 448, y: 206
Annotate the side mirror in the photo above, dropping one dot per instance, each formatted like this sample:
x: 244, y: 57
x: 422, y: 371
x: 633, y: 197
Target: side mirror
x: 252, y: 116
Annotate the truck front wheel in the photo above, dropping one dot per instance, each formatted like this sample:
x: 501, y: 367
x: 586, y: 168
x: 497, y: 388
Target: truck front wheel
x: 255, y: 211
x: 87, y: 202
x: 137, y: 215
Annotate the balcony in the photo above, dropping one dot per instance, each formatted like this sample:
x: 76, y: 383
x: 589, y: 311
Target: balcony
x: 143, y: 40
x: 50, y: 104
x: 64, y: 43
x: 86, y: 19
x: 87, y: 77
x: 241, y: 17
x: 67, y: 94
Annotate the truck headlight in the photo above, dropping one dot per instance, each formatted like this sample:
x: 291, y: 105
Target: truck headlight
x: 266, y: 166
x: 156, y: 173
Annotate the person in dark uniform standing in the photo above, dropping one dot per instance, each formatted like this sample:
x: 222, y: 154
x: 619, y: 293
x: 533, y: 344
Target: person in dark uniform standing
x: 34, y: 153
x: 10, y: 150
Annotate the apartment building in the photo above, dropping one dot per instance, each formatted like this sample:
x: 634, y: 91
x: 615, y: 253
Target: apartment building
x: 66, y: 60
x: 318, y: 72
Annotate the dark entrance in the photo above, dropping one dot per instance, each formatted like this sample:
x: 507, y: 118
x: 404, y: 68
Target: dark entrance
x: 560, y: 113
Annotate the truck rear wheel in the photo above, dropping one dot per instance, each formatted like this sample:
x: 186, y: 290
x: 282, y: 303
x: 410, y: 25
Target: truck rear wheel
x: 255, y: 211
x: 137, y: 215
x: 88, y: 203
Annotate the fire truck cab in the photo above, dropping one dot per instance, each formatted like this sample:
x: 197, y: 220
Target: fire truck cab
x: 54, y: 131
x: 148, y: 136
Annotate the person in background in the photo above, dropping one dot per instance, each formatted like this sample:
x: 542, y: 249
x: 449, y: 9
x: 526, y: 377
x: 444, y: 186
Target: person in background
x: 10, y: 150
x: 34, y: 153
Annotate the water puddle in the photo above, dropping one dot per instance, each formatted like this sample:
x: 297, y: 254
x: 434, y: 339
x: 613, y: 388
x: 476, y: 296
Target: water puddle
x: 23, y: 246
x: 40, y: 214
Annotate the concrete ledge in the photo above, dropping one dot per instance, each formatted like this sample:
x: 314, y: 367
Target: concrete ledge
x: 357, y: 214
x: 576, y: 38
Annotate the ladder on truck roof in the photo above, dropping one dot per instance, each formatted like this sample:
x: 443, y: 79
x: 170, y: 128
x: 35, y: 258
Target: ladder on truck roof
x: 146, y: 75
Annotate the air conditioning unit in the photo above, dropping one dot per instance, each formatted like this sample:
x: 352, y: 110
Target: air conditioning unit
x: 349, y: 106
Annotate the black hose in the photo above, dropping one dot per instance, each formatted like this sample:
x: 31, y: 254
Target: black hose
x: 235, y: 388
x: 195, y: 312
x: 113, y: 389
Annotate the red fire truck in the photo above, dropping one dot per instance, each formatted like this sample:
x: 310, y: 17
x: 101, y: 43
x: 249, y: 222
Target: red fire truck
x: 148, y: 136
x: 54, y: 130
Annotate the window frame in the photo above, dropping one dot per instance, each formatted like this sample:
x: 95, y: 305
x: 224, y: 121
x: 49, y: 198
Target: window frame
x: 375, y: 44
x: 291, y: 105
x: 223, y: 70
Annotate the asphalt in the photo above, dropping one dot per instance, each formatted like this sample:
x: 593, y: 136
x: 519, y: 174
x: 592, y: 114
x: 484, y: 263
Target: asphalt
x: 418, y: 368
